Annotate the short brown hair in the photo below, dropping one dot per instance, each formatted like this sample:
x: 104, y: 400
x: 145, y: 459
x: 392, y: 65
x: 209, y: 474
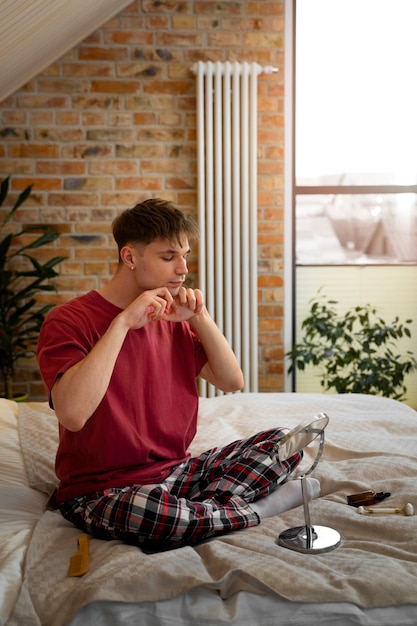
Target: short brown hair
x: 153, y: 219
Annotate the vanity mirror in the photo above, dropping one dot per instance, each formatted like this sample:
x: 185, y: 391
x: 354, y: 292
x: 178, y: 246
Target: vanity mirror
x: 307, y: 538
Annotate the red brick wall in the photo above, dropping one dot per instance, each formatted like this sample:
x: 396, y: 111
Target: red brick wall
x: 113, y: 122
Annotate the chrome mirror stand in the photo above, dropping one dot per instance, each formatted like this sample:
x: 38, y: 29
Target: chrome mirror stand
x: 310, y: 539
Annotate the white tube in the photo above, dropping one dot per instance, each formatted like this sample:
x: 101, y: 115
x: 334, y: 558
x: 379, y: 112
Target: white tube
x: 218, y: 309
x: 227, y: 212
x: 253, y: 223
x: 244, y: 221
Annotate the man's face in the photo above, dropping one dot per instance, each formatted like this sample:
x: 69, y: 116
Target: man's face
x: 162, y: 263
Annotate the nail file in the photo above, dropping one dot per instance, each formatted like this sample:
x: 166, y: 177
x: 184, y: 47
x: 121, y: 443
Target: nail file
x: 79, y: 561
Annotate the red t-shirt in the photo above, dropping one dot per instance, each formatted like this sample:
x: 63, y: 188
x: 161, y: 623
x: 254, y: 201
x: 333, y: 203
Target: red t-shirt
x: 148, y: 417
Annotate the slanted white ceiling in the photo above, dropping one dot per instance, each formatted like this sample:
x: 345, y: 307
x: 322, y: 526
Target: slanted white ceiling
x: 35, y: 33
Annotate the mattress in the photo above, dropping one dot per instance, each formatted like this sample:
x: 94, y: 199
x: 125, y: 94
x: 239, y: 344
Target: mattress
x: 244, y: 577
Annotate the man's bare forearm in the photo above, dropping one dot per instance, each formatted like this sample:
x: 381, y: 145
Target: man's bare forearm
x: 222, y: 368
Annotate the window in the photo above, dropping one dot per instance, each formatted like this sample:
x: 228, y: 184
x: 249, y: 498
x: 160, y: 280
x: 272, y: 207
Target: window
x: 355, y: 165
x: 356, y: 132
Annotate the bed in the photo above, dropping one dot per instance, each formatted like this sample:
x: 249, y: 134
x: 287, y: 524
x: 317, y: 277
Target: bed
x: 244, y: 578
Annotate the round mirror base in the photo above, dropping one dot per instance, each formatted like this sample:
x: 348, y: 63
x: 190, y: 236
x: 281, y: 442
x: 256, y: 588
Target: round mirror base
x: 313, y: 540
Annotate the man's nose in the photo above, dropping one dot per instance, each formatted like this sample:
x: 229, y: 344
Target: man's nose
x: 182, y: 267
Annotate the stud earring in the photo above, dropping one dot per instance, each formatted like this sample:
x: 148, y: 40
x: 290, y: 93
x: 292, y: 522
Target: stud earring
x: 132, y: 267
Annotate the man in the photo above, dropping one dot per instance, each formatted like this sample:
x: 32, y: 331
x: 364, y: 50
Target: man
x: 120, y: 366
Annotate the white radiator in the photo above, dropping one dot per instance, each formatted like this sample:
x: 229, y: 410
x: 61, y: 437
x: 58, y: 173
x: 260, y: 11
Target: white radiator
x: 227, y: 199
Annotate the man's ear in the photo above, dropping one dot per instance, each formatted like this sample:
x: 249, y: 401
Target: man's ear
x: 127, y: 256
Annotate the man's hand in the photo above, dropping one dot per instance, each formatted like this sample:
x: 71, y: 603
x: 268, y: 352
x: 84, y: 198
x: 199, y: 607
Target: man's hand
x: 150, y: 306
x: 159, y: 304
x: 186, y: 304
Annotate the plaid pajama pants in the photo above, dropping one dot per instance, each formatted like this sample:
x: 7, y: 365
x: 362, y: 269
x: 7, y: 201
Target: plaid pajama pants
x: 205, y: 496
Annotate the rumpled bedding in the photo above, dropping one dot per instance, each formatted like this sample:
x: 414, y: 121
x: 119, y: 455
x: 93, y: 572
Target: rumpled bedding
x: 371, y: 443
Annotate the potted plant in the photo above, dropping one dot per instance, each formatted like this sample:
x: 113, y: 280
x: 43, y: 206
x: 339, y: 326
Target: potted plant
x: 22, y: 278
x: 355, y: 352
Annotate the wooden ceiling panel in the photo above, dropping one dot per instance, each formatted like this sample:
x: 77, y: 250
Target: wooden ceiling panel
x: 35, y: 33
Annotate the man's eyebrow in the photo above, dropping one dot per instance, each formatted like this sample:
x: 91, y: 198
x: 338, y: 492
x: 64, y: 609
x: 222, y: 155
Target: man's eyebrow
x: 174, y: 251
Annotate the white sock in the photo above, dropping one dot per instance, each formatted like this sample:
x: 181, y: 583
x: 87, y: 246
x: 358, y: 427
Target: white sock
x: 285, y: 497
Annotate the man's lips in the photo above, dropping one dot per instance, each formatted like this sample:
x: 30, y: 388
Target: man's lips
x: 174, y: 284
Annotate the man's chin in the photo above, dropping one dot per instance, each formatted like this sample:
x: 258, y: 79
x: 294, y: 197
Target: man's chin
x: 174, y: 289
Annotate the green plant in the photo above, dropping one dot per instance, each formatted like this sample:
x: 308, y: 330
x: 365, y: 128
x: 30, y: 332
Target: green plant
x: 22, y: 277
x: 355, y: 351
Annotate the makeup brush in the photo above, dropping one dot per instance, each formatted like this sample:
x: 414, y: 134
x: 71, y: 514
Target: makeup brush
x: 405, y: 509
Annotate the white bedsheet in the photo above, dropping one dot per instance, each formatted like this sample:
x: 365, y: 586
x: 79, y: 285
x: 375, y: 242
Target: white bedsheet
x: 203, y: 607
x: 20, y: 509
